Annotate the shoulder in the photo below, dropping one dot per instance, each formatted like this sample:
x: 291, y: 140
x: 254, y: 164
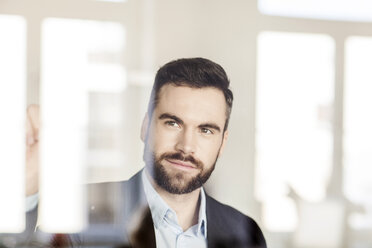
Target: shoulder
x: 124, y: 195
x: 226, y: 225
x: 226, y: 213
x: 112, y: 207
x: 132, y: 184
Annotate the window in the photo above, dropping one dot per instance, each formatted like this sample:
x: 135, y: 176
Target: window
x: 294, y: 129
x: 12, y: 93
x: 357, y: 126
x: 82, y: 61
x: 350, y: 10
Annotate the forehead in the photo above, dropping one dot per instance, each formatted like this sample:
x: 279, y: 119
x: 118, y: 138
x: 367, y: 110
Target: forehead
x: 195, y: 104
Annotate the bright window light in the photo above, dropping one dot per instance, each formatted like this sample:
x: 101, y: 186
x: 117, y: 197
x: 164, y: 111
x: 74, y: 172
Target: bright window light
x: 357, y: 125
x: 78, y: 57
x: 91, y: 52
x: 294, y: 111
x: 12, y: 125
x: 350, y: 10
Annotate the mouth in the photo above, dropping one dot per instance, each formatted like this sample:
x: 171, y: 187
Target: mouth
x: 181, y: 164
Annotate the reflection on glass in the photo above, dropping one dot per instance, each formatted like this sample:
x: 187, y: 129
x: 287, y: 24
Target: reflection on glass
x: 79, y: 59
x: 351, y: 10
x: 357, y: 126
x: 294, y: 109
x: 12, y: 109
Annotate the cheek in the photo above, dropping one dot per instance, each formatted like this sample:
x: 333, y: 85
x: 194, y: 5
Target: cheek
x: 164, y: 140
x: 208, y: 151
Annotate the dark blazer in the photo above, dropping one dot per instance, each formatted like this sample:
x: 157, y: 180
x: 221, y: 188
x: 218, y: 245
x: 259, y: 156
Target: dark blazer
x: 226, y: 226
x: 119, y: 217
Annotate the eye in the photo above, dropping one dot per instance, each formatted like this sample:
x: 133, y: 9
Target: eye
x: 206, y: 130
x: 172, y: 124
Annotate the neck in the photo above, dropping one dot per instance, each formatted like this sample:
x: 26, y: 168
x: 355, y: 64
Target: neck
x: 186, y: 205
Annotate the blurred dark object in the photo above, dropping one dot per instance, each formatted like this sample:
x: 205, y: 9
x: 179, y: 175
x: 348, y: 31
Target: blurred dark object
x: 144, y: 236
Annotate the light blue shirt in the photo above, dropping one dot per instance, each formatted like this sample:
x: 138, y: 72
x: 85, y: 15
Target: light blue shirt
x: 168, y: 232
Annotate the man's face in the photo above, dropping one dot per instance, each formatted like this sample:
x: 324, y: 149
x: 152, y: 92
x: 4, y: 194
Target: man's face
x: 185, y: 137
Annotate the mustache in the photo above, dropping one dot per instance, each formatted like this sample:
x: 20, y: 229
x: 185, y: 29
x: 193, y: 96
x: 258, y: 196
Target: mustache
x: 180, y: 156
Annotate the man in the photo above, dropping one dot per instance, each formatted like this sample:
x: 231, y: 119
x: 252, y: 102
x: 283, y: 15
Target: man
x: 184, y: 131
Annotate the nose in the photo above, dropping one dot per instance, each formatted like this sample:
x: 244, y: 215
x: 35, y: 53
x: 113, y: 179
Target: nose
x: 186, y: 142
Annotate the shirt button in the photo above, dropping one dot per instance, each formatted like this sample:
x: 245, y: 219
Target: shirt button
x: 180, y: 239
x: 170, y: 215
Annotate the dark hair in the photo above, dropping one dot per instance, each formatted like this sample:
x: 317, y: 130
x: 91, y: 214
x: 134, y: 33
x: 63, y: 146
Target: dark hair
x: 194, y: 73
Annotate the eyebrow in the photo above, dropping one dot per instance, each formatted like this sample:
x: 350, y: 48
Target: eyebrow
x: 210, y: 126
x: 177, y: 119
x: 170, y: 116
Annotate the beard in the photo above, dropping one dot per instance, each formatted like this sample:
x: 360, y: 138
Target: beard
x: 177, y: 182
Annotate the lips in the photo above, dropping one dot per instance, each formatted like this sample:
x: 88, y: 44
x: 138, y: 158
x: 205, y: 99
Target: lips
x: 186, y: 165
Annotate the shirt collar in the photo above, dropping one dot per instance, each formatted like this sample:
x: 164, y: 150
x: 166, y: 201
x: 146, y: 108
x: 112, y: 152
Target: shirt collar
x: 31, y: 202
x: 157, y: 205
x: 202, y: 222
x: 160, y: 209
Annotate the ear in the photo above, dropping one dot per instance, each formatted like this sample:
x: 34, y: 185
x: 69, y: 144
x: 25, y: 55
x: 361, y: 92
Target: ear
x: 145, y: 127
x: 224, y: 140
